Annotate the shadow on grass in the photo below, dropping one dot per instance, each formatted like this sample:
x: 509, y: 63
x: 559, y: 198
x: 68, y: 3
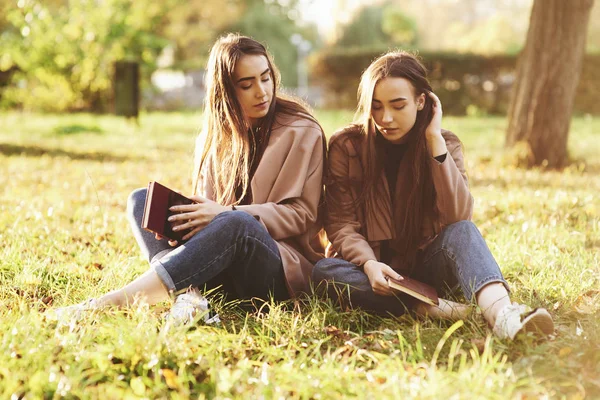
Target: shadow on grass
x: 36, y: 151
x: 75, y: 129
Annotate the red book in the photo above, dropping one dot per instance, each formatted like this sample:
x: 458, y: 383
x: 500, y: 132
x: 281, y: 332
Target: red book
x: 416, y: 289
x: 156, y: 210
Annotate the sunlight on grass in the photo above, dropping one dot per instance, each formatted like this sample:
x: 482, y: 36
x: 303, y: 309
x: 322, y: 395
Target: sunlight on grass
x: 65, y: 180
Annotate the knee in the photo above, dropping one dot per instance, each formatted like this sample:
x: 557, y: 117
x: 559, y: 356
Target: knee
x: 136, y: 201
x: 324, y: 269
x: 463, y: 228
x: 238, y: 219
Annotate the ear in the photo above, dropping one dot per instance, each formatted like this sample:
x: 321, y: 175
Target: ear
x: 421, y: 101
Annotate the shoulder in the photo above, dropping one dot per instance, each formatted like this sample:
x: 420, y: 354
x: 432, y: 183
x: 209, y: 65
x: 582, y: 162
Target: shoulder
x: 304, y: 125
x: 347, y: 139
x: 452, y: 141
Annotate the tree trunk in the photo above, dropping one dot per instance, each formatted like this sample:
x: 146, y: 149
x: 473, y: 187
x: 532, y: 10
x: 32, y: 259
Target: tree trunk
x: 547, y: 74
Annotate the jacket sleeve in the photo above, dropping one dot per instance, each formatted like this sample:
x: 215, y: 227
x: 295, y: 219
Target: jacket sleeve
x: 454, y: 200
x: 342, y: 223
x: 295, y: 213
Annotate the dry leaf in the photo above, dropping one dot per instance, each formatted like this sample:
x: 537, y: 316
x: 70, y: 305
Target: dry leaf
x: 479, y: 343
x: 170, y: 378
x: 565, y: 351
x: 587, y: 303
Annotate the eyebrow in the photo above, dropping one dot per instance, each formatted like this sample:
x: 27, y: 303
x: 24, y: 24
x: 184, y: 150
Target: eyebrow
x: 249, y: 78
x: 392, y: 101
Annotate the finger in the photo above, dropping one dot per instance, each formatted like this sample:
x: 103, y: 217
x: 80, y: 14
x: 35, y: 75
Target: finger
x: 173, y: 243
x: 189, y: 235
x: 183, y: 208
x: 382, y: 287
x: 391, y: 273
x: 191, y: 224
x: 184, y: 216
x: 434, y: 98
x: 157, y: 236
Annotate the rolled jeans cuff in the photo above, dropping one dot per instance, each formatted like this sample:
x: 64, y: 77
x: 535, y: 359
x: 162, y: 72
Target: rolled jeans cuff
x: 164, y: 276
x: 470, y: 292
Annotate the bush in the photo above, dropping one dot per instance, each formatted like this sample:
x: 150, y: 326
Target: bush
x: 464, y: 82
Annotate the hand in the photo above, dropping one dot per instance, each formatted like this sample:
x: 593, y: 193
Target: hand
x: 195, y: 216
x: 434, y: 129
x: 172, y: 243
x: 378, y: 273
x: 436, y: 143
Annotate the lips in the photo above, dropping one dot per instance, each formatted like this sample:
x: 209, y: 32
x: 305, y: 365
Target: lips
x: 389, y: 130
x: 262, y: 105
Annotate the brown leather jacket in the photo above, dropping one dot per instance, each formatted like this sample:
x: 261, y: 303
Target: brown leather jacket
x: 356, y: 232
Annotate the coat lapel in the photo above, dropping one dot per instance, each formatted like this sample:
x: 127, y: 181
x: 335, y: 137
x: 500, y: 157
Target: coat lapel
x: 278, y: 177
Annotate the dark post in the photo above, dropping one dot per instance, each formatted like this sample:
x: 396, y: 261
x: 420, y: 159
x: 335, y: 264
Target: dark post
x: 126, y: 89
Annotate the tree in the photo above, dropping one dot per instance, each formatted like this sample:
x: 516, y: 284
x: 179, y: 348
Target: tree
x: 365, y: 29
x: 64, y: 50
x: 547, y: 75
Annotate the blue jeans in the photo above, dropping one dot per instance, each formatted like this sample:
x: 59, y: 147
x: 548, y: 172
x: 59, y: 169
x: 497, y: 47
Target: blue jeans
x: 457, y: 258
x: 234, y: 252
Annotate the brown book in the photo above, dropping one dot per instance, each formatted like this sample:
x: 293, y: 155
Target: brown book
x: 419, y: 290
x: 156, y: 210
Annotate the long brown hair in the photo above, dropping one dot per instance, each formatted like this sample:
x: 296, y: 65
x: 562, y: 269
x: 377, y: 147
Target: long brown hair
x: 420, y: 192
x: 223, y: 144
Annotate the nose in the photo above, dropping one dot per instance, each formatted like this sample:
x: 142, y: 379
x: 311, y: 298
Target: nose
x: 261, y: 91
x: 387, y: 116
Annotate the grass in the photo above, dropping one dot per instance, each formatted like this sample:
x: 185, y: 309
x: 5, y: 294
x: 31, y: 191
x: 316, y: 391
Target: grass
x: 63, y: 184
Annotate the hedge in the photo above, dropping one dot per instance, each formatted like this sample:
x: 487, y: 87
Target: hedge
x: 465, y: 83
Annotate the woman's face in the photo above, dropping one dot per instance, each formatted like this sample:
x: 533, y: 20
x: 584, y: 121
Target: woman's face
x: 253, y: 86
x: 394, y: 108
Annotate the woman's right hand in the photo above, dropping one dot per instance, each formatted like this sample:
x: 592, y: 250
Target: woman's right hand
x: 378, y: 273
x: 172, y: 243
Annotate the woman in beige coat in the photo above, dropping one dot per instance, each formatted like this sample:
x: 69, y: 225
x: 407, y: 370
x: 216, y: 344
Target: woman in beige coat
x: 255, y: 229
x: 399, y: 205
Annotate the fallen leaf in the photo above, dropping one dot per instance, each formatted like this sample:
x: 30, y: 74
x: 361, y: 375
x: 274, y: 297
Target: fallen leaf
x: 587, y: 303
x: 170, y: 378
x: 479, y: 344
x: 565, y: 351
x: 96, y: 266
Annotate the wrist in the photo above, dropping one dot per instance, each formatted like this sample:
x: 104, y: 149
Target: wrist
x: 368, y: 263
x: 434, y: 134
x: 436, y: 144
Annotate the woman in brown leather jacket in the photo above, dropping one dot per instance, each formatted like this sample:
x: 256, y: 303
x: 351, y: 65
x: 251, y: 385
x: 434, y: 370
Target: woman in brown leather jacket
x: 399, y: 204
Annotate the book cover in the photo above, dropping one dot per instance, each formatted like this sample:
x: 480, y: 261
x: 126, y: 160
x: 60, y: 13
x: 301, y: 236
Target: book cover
x: 156, y: 210
x: 416, y: 289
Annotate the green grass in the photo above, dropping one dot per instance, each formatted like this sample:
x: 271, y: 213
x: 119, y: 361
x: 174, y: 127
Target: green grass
x: 64, y: 238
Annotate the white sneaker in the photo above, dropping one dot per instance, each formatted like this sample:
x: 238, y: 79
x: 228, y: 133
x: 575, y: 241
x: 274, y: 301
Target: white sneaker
x: 76, y: 312
x: 187, y: 306
x: 516, y: 318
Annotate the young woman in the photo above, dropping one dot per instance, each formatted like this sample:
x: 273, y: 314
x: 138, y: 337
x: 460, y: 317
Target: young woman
x: 398, y: 203
x: 255, y: 230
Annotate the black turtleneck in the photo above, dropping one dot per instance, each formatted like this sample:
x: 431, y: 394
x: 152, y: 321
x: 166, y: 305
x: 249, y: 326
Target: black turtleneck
x: 257, y: 148
x: 392, y: 154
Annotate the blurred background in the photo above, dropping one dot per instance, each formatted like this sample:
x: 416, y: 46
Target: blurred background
x: 60, y: 55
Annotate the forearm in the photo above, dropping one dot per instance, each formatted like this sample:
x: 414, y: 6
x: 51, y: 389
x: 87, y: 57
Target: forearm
x: 436, y: 145
x: 453, y: 197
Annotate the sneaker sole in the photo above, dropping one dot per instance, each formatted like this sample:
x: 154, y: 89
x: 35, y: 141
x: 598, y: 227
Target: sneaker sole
x: 538, y: 321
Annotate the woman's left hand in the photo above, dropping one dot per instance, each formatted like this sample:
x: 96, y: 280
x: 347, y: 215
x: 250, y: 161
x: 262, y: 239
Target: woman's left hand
x: 433, y: 134
x: 434, y: 129
x: 196, y: 216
